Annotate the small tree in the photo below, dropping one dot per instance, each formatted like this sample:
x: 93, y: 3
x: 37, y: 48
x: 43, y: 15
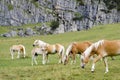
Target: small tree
x: 54, y: 24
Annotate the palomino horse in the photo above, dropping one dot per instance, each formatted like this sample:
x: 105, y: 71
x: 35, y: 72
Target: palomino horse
x: 75, y: 48
x: 50, y: 49
x: 17, y: 48
x: 35, y: 52
x: 102, y: 48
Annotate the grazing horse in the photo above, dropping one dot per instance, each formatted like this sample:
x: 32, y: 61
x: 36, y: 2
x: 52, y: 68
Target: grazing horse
x: 49, y: 49
x: 17, y: 48
x: 35, y: 52
x: 73, y: 49
x: 102, y: 48
x: 52, y: 49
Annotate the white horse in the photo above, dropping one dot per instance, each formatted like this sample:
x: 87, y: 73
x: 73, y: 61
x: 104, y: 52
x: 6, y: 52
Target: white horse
x: 35, y: 52
x: 102, y: 48
x: 17, y: 48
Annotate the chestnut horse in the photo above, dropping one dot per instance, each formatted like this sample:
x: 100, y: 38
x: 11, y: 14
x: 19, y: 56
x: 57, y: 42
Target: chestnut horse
x: 75, y: 48
x: 17, y: 48
x: 102, y: 48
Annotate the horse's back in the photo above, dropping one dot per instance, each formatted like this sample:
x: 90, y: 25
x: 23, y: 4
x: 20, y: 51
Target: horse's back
x: 81, y: 47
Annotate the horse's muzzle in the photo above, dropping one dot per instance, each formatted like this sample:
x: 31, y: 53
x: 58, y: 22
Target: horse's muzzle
x: 83, y: 66
x: 33, y: 45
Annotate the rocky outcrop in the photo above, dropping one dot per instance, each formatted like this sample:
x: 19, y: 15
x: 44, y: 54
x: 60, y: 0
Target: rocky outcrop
x: 73, y: 15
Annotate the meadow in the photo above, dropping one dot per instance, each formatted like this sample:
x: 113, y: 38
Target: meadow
x: 21, y: 69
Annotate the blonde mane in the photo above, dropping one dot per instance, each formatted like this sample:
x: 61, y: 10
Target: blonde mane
x: 97, y: 44
x: 94, y: 45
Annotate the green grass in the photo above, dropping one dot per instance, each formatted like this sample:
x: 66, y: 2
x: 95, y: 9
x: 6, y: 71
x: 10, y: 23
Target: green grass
x: 21, y: 69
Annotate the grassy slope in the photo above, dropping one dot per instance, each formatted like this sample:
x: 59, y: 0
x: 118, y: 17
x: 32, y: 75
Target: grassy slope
x: 22, y: 69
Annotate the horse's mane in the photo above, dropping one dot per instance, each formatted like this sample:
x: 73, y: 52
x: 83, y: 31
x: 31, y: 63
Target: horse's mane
x: 97, y: 44
x: 94, y: 45
x: 69, y: 48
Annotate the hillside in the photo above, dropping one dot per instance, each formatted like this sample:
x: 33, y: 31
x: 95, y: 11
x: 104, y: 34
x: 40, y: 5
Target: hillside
x: 21, y: 68
x: 68, y: 15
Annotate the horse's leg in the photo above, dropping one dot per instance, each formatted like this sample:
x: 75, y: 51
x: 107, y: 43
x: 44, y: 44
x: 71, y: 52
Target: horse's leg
x: 60, y: 57
x: 106, y: 64
x: 81, y: 59
x: 112, y: 57
x: 24, y: 53
x: 18, y: 54
x: 11, y: 51
x: 94, y: 61
x: 73, y: 59
x: 47, y: 58
x: 32, y: 59
x: 44, y: 58
x: 35, y: 60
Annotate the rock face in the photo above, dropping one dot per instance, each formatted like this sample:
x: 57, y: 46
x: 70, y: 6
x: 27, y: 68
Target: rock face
x: 73, y: 15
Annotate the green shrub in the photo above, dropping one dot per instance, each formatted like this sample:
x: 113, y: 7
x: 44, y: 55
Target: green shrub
x: 78, y: 16
x: 54, y: 25
x: 10, y: 7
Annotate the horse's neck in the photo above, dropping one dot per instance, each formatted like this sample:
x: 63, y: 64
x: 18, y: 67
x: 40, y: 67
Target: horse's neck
x: 88, y: 51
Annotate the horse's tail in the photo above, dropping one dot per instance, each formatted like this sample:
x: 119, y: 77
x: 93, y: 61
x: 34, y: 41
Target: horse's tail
x: 24, y: 51
x: 11, y: 52
x: 63, y: 51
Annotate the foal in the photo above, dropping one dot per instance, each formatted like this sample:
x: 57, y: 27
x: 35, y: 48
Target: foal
x: 35, y: 52
x: 17, y: 48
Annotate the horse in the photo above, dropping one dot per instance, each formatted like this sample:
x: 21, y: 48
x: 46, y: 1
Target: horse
x: 50, y: 49
x: 75, y: 48
x: 53, y: 49
x: 17, y: 48
x: 35, y: 52
x: 102, y: 48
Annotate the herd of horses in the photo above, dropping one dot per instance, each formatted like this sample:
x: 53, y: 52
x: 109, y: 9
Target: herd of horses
x: 87, y: 50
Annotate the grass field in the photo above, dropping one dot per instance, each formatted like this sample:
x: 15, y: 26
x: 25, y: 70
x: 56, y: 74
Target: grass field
x: 21, y: 69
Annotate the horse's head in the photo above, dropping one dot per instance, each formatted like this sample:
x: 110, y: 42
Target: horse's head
x: 36, y: 43
x: 65, y: 59
x: 86, y: 56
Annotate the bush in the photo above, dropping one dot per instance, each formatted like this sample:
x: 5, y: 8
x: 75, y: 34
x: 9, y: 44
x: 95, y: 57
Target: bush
x: 54, y: 25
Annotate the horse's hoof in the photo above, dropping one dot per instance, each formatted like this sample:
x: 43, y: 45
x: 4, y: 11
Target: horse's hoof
x: 83, y: 67
x: 92, y: 71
